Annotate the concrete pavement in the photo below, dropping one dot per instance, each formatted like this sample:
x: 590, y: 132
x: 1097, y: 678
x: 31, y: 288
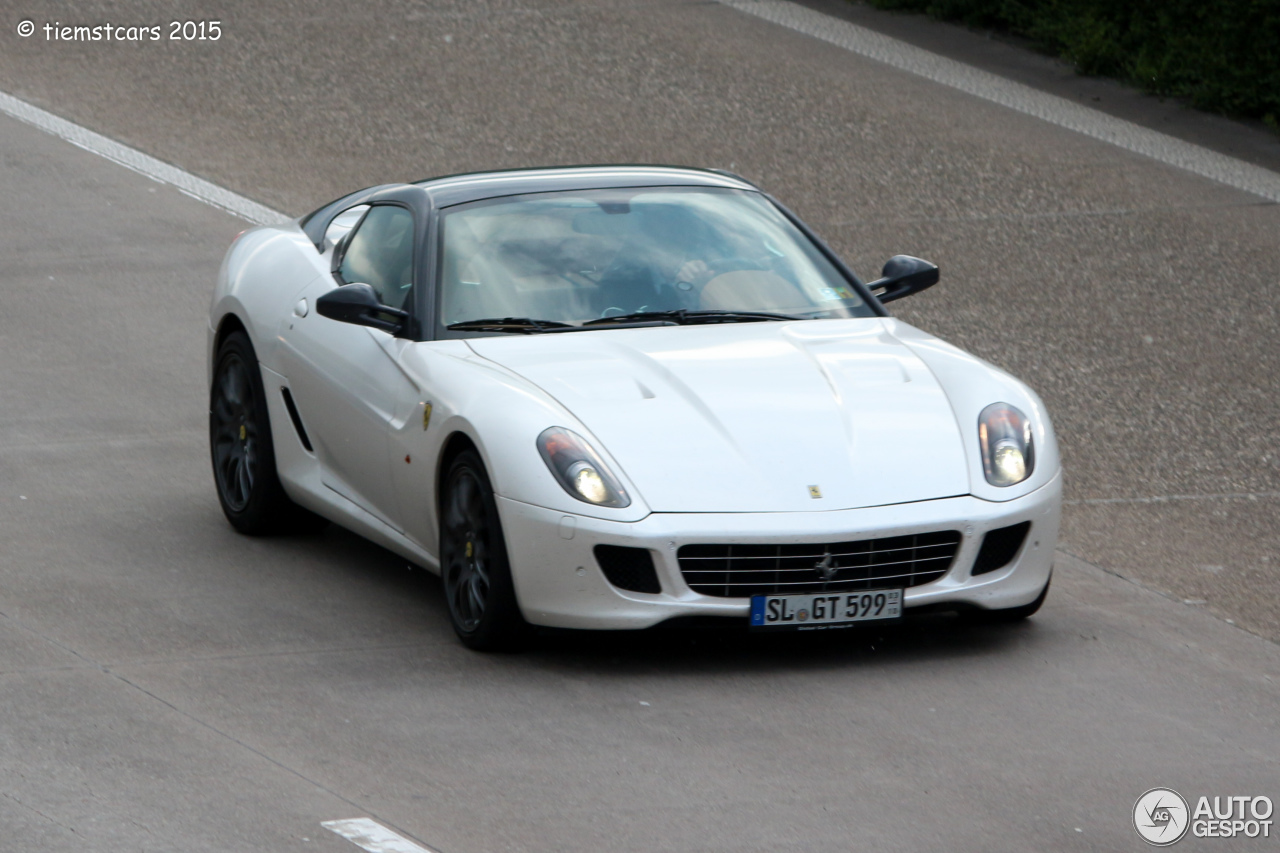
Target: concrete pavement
x: 1139, y: 300
x: 167, y: 684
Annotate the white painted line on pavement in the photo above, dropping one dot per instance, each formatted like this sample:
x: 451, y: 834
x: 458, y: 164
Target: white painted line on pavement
x: 991, y: 87
x: 144, y: 164
x: 373, y: 836
x: 898, y: 54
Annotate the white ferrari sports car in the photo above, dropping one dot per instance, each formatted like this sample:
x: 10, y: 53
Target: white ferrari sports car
x: 606, y: 397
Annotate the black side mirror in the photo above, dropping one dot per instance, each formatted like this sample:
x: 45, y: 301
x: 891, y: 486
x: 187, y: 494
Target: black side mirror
x: 902, y: 276
x: 357, y: 303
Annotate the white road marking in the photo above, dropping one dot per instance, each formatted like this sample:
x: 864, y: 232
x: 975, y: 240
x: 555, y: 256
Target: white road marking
x: 898, y: 54
x: 144, y: 164
x: 373, y: 836
x: 1123, y: 134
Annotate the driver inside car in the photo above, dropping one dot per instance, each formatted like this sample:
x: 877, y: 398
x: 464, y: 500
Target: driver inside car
x: 667, y: 268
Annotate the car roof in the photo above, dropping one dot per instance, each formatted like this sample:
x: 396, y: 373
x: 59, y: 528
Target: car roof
x: 449, y: 190
x: 459, y: 189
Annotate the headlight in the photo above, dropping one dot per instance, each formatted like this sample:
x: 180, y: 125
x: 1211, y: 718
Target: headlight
x: 579, y: 468
x: 1008, y: 452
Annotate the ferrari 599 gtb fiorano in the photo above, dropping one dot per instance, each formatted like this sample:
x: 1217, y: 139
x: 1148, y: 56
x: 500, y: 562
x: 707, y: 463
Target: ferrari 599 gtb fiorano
x: 608, y: 397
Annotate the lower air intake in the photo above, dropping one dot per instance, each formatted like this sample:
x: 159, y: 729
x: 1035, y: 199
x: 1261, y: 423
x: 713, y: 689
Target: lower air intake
x: 999, y: 547
x: 628, y: 568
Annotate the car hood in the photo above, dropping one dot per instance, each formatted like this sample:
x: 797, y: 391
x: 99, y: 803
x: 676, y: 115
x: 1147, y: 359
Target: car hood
x: 753, y: 417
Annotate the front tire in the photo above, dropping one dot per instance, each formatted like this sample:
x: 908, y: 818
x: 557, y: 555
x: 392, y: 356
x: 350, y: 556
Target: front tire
x: 244, y: 459
x: 473, y: 561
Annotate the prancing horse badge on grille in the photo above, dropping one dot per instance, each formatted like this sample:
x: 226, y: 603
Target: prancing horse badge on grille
x: 826, y: 566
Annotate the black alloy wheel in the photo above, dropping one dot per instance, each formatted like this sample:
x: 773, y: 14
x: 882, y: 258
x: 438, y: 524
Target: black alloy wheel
x: 235, y: 433
x: 474, y: 566
x: 244, y: 461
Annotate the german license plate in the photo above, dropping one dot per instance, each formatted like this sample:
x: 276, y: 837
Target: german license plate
x: 819, y: 611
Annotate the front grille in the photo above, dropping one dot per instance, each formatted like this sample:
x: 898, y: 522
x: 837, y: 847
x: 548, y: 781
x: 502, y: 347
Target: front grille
x: 740, y: 571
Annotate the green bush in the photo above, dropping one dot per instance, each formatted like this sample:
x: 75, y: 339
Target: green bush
x: 1219, y: 55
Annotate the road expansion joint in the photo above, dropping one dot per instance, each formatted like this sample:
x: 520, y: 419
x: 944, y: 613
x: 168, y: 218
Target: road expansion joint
x: 1176, y: 599
x: 27, y: 629
x: 36, y: 811
x: 287, y: 653
x: 1048, y: 215
x: 1157, y: 499
x: 98, y: 442
x: 226, y: 736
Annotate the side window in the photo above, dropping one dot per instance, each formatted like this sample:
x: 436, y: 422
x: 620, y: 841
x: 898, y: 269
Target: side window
x: 380, y: 254
x: 342, y: 224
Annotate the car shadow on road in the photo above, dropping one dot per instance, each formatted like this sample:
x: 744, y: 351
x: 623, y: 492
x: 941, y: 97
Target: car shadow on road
x: 377, y: 582
x: 729, y: 645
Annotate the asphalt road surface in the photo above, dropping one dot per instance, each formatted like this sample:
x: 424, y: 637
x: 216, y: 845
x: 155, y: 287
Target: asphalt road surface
x: 168, y: 685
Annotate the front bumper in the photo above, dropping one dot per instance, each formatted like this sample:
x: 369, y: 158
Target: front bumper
x: 559, y: 583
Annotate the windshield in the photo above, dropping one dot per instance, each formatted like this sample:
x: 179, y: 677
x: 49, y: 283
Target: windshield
x: 540, y: 261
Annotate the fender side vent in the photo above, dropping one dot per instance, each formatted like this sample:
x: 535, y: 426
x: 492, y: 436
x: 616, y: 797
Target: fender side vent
x: 297, y: 421
x: 999, y: 547
x: 628, y: 568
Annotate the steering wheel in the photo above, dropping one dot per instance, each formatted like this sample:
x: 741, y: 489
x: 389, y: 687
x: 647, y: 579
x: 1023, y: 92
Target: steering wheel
x: 690, y: 291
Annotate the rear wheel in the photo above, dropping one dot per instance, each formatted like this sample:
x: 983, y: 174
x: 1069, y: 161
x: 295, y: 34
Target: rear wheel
x: 473, y: 560
x: 244, y: 461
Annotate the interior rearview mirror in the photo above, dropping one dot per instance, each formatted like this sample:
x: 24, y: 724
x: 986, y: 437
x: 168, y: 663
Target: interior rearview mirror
x: 358, y: 304
x: 902, y: 276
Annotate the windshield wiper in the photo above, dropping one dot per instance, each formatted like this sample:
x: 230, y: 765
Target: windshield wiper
x: 519, y: 325
x: 685, y: 317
